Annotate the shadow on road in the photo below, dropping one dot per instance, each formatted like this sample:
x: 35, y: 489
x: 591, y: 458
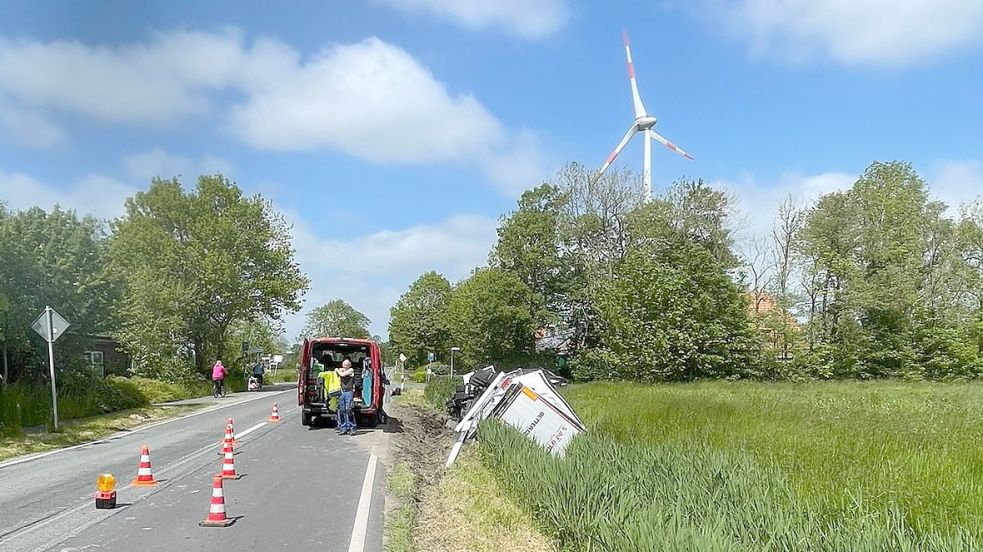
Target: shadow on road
x: 393, y: 426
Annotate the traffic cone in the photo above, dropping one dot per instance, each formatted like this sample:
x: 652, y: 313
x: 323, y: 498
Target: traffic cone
x: 232, y: 431
x: 229, y: 435
x: 216, y: 513
x: 275, y: 416
x: 145, y: 477
x: 229, y: 463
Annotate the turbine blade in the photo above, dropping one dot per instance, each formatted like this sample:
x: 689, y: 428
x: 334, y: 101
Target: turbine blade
x: 655, y: 136
x: 621, y: 145
x: 635, y: 98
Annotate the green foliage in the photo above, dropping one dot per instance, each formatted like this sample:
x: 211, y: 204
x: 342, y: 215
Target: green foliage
x: 337, y: 319
x: 54, y: 259
x: 23, y: 405
x: 489, y: 318
x: 161, y: 391
x: 195, y: 263
x: 530, y: 245
x: 848, y: 450
x: 672, y: 313
x: 440, y: 390
x: 420, y: 375
x: 418, y: 321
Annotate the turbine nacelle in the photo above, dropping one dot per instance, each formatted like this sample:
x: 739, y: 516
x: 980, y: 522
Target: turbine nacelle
x: 645, y: 123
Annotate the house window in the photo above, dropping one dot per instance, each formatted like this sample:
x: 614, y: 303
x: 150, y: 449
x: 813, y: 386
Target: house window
x: 95, y: 360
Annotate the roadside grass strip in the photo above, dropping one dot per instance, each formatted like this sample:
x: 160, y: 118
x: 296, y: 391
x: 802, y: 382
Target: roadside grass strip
x: 84, y: 430
x: 469, y: 511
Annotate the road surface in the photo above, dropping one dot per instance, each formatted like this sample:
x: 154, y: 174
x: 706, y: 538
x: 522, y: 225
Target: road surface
x: 301, y: 488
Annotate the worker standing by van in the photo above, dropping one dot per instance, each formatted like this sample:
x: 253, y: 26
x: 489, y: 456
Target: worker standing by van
x: 346, y: 404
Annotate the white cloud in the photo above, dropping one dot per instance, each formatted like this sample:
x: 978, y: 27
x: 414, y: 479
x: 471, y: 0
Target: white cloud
x: 956, y: 183
x: 373, y: 270
x: 27, y: 127
x: 92, y: 194
x: 525, y: 18
x: 152, y: 83
x: 146, y: 165
x: 370, y: 99
x: 852, y: 32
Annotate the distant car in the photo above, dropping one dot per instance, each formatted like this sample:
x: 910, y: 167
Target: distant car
x: 327, y: 353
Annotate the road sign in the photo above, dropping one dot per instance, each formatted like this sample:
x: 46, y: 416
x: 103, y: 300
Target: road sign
x: 431, y: 357
x: 50, y: 325
x: 50, y: 332
x: 402, y: 357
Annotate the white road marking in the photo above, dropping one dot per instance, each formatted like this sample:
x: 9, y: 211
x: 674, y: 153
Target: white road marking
x: 131, y: 432
x: 250, y: 430
x: 362, y: 513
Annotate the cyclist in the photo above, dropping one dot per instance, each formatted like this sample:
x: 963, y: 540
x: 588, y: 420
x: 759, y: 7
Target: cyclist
x: 218, y: 378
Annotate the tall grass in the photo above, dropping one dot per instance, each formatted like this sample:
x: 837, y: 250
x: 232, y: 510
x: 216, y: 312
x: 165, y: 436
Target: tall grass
x: 24, y: 406
x: 914, y: 445
x: 753, y: 466
x: 440, y: 390
x: 610, y: 495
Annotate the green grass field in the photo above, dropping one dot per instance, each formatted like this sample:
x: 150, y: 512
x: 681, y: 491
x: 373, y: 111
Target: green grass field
x: 758, y: 466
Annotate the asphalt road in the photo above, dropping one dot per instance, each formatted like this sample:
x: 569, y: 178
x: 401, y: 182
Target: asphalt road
x: 301, y: 488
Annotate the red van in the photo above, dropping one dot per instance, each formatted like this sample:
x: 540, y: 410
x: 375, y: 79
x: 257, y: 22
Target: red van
x: 327, y: 353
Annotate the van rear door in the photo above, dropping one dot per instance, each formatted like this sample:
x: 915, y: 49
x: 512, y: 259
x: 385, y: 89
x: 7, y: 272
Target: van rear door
x: 305, y: 365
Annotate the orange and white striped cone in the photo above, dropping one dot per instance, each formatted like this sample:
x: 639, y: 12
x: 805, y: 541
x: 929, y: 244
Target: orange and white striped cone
x: 229, y: 463
x: 216, y: 512
x: 229, y: 435
x: 275, y: 416
x: 145, y: 476
x: 232, y: 431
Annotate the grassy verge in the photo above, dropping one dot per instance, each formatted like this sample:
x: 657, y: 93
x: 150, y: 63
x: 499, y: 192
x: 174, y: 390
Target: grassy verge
x: 751, y: 466
x: 434, y: 510
x: 401, y: 519
x: 285, y: 375
x: 469, y: 510
x: 88, y: 429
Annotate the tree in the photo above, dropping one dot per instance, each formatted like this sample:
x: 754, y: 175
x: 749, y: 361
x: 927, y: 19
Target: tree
x: 54, y: 259
x: 673, y: 314
x: 418, y: 321
x: 489, y: 319
x: 530, y: 246
x: 193, y: 264
x: 338, y: 319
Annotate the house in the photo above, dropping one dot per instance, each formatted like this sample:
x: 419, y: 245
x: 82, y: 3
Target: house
x: 104, y: 355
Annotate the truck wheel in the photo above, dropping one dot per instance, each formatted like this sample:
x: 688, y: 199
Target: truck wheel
x: 305, y: 419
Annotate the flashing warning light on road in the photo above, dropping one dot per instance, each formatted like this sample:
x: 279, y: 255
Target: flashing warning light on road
x: 106, y: 493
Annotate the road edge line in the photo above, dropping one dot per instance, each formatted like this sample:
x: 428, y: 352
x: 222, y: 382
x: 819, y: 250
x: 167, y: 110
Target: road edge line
x: 360, y: 528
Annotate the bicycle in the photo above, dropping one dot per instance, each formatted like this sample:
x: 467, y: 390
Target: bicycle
x: 219, y: 388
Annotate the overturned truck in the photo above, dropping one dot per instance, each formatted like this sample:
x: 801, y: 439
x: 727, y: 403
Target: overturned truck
x: 524, y: 399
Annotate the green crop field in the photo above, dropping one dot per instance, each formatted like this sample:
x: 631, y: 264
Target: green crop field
x: 760, y: 466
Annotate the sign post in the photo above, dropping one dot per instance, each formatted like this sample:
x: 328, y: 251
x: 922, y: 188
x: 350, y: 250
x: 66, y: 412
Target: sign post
x: 430, y: 359
x: 50, y: 325
x: 402, y: 372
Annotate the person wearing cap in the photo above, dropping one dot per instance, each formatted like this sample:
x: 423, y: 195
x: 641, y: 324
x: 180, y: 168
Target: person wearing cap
x: 346, y: 415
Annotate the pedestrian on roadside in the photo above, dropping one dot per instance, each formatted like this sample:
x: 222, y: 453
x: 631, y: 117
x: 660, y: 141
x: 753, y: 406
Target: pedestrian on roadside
x: 346, y: 403
x: 218, y: 378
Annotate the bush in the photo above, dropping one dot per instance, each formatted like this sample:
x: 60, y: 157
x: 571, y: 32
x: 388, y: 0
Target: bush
x: 440, y: 390
x: 158, y: 391
x: 119, y: 394
x: 420, y: 376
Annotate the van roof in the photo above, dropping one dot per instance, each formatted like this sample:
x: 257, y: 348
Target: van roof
x: 342, y: 340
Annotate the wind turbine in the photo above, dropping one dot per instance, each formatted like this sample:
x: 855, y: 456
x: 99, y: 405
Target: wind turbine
x: 643, y: 123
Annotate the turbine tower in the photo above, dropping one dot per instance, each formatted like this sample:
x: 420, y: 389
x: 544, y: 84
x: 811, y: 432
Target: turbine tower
x: 643, y: 123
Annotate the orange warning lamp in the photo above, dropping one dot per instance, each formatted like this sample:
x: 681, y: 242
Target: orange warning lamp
x: 106, y: 495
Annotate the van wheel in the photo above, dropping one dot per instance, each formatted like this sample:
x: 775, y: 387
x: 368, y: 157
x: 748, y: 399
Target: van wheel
x: 381, y: 417
x: 305, y: 419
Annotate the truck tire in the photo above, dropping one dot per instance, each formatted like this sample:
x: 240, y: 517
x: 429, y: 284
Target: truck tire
x: 305, y: 419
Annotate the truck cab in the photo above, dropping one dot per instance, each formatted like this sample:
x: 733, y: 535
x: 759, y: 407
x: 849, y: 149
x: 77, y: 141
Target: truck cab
x: 324, y: 354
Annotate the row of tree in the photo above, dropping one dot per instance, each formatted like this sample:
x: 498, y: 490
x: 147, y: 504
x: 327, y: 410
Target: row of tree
x: 179, y: 280
x: 874, y: 281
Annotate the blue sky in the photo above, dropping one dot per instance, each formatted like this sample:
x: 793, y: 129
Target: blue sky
x: 393, y: 133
